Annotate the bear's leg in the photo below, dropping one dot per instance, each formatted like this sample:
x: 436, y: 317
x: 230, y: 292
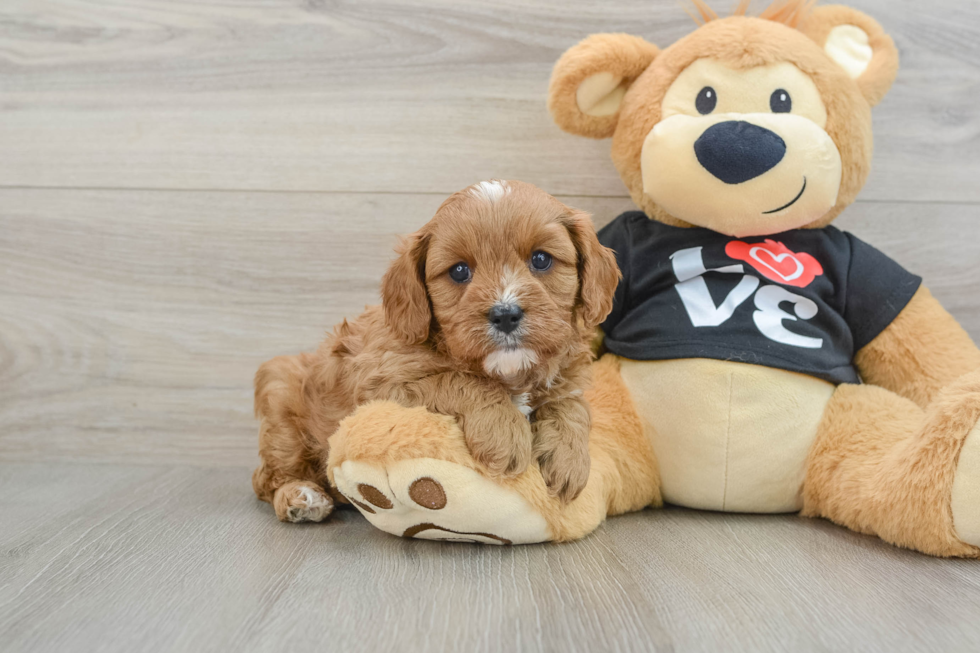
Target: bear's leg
x: 882, y: 465
x: 410, y: 474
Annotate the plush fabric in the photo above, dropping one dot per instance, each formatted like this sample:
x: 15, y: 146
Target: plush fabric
x: 384, y: 448
x: 965, y: 493
x: 877, y: 78
x: 728, y: 436
x: 897, y: 456
x: 882, y: 465
x: 619, y: 56
x: 921, y: 352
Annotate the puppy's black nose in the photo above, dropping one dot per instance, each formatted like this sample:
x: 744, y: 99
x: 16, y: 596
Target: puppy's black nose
x: 505, y: 317
x: 737, y: 151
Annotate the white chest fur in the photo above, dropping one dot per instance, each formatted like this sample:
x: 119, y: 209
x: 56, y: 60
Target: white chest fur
x: 522, y: 402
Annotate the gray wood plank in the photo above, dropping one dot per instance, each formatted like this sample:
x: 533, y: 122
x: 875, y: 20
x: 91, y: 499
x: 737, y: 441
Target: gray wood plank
x: 417, y: 95
x: 132, y: 322
x: 123, y: 558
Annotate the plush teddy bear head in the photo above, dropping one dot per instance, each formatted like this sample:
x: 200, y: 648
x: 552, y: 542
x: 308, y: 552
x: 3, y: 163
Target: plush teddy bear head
x: 747, y: 126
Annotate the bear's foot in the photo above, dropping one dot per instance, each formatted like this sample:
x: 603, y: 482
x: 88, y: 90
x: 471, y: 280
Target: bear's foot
x: 965, y: 497
x: 438, y: 500
x: 409, y: 473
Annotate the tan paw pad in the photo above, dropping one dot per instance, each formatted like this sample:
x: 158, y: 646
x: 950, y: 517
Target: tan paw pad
x: 374, y: 496
x: 427, y: 493
x: 434, y: 499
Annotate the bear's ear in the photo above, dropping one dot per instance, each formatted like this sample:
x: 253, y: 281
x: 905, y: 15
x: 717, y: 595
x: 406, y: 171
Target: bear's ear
x: 590, y: 80
x: 858, y: 44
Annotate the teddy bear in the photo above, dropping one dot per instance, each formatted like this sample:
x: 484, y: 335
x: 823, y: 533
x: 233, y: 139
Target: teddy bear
x: 757, y: 359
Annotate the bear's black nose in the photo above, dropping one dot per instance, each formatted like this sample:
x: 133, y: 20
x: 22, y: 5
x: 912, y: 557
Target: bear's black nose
x: 505, y: 317
x: 736, y: 151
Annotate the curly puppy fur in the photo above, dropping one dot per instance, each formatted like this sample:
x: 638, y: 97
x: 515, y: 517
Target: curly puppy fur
x: 517, y: 395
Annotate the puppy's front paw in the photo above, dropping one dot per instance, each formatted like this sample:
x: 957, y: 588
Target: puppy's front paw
x: 298, y: 502
x: 500, y: 440
x: 564, y: 462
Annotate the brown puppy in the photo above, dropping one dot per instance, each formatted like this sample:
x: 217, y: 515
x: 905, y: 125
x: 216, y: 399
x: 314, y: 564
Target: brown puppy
x: 487, y: 315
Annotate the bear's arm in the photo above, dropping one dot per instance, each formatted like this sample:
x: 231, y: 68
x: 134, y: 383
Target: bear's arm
x: 920, y: 352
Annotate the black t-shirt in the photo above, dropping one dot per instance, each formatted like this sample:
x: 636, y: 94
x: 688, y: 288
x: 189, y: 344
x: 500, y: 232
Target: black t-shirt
x: 803, y: 300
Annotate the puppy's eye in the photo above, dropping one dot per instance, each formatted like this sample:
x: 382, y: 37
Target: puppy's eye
x: 706, y: 101
x: 460, y: 273
x: 541, y: 261
x: 780, y: 101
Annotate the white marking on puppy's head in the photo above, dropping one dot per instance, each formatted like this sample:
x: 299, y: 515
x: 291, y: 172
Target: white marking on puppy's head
x: 507, y: 295
x: 507, y: 363
x: 490, y: 191
x: 509, y: 281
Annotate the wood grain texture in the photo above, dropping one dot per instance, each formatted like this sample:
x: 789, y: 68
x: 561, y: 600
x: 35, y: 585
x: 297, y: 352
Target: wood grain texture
x: 125, y: 558
x: 410, y: 96
x: 133, y: 321
x: 189, y: 188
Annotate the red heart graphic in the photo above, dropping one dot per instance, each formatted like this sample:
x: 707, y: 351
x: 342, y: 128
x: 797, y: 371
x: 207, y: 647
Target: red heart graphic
x: 777, y: 262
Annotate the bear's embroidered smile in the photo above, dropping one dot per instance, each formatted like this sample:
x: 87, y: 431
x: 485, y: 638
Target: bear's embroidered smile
x: 791, y: 203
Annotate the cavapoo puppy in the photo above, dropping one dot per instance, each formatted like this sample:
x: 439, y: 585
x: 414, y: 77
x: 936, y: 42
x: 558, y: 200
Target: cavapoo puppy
x: 486, y: 315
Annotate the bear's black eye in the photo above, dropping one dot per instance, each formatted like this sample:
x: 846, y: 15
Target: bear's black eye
x: 460, y: 273
x: 541, y: 261
x: 780, y: 101
x: 707, y: 100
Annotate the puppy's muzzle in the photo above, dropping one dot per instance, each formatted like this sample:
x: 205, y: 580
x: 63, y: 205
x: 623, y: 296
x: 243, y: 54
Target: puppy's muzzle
x: 505, y: 317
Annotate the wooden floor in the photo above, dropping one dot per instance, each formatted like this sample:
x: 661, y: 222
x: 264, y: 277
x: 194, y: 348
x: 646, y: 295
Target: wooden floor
x: 190, y: 188
x: 176, y: 558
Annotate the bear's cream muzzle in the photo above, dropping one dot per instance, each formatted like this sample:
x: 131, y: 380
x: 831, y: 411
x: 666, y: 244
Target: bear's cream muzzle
x: 741, y: 174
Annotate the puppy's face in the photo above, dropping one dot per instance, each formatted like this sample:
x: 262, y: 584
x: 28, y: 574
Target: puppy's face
x: 507, y: 275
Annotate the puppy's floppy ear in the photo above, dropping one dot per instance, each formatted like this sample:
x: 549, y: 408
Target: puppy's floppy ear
x: 858, y: 44
x: 403, y: 292
x: 589, y: 81
x: 597, y: 270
